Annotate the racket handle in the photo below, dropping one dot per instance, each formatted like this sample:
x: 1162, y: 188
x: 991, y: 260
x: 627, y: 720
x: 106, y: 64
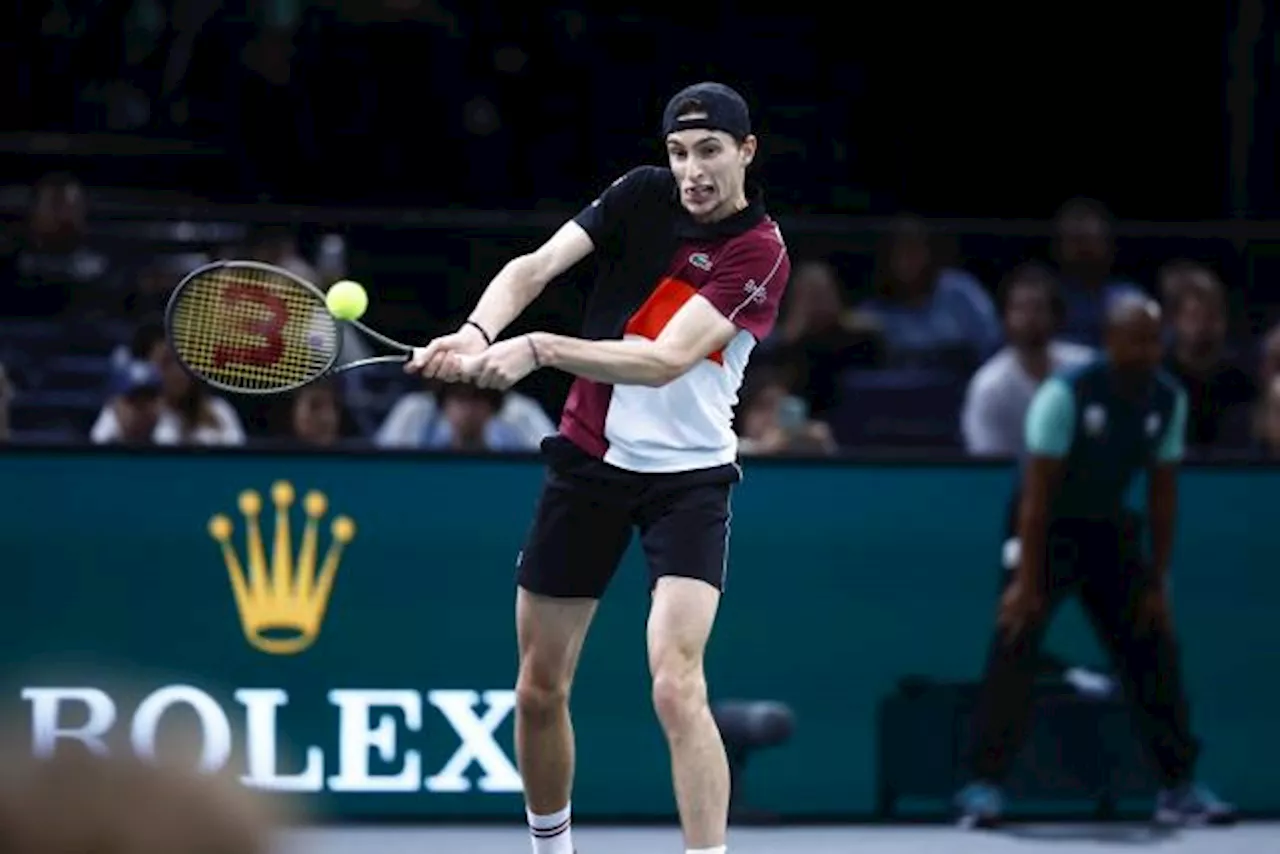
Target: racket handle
x: 374, y: 360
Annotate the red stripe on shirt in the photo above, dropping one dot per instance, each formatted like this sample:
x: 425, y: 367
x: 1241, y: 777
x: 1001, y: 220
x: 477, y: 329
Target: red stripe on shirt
x: 652, y: 317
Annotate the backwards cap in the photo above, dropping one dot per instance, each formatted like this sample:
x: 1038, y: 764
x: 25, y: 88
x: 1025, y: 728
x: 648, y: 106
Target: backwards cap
x: 723, y: 109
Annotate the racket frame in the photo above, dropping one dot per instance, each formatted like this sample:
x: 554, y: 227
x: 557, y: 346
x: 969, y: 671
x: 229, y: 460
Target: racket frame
x: 331, y: 368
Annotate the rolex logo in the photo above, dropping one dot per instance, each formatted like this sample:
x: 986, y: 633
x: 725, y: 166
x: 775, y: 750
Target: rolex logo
x: 282, y: 601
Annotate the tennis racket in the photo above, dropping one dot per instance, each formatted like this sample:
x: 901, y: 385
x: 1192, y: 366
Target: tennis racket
x: 251, y: 328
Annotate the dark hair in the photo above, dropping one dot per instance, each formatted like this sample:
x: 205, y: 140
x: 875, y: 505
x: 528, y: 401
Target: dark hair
x: 146, y: 336
x: 494, y: 397
x: 1198, y: 282
x: 1036, y: 275
x: 56, y: 181
x: 281, y: 419
x: 905, y: 227
x: 1082, y: 207
x: 757, y: 381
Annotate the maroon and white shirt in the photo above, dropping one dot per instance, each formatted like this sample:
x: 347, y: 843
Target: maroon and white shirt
x: 652, y: 258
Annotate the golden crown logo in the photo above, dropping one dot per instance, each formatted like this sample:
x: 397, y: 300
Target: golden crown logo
x: 282, y: 605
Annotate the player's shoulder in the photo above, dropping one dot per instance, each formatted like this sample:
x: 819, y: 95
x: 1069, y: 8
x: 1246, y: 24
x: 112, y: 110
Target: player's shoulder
x: 646, y: 179
x: 994, y: 372
x: 761, y: 248
x: 1082, y: 373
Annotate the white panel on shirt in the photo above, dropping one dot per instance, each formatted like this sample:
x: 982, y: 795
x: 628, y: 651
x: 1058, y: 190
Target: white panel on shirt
x: 684, y: 425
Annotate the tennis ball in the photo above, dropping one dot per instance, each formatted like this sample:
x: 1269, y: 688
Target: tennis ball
x: 347, y: 300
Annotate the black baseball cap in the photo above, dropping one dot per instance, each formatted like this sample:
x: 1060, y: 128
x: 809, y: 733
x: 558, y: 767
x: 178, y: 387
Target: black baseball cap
x: 723, y: 109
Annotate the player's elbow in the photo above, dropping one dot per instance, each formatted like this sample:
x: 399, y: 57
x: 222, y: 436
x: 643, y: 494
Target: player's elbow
x: 668, y: 363
x: 663, y: 368
x: 527, y: 273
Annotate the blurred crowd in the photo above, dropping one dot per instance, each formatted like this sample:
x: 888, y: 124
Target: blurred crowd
x: 83, y: 803
x: 932, y: 357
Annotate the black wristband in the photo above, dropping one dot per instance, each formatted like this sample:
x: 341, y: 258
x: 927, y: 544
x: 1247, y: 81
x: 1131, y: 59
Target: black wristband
x: 533, y: 348
x: 485, y: 335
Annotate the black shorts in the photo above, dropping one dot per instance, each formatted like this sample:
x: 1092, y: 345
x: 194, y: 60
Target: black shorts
x: 589, y: 509
x: 1109, y: 546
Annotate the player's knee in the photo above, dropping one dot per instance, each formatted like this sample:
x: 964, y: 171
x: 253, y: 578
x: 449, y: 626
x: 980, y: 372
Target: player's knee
x: 541, y: 692
x: 679, y: 692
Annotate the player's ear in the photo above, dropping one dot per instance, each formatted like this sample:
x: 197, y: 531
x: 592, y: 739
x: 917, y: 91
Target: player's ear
x: 747, y: 149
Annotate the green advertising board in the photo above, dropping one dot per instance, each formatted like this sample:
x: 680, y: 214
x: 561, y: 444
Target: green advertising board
x: 376, y: 679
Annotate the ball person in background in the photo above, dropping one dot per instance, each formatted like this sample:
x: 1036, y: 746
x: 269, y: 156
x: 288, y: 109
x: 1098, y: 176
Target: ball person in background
x: 691, y: 271
x: 1090, y: 429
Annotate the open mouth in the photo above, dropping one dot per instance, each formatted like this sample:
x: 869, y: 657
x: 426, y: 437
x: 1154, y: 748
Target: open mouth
x: 700, y: 195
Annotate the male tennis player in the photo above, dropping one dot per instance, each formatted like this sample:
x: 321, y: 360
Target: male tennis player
x: 690, y: 274
x: 1089, y: 430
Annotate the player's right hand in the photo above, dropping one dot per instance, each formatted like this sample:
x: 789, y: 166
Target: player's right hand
x: 438, y: 360
x: 1021, y: 606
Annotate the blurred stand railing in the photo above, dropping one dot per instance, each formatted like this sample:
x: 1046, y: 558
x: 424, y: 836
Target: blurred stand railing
x: 438, y: 259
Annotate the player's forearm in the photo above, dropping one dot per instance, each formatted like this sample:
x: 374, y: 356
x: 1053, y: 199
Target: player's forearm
x: 1033, y: 533
x: 635, y: 362
x: 509, y: 293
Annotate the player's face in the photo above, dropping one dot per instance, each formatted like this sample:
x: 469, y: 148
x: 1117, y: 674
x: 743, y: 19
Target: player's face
x: 1029, y: 314
x: 1136, y: 347
x: 710, y: 169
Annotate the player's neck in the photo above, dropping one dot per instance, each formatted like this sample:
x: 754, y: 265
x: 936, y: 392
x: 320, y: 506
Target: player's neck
x: 729, y: 208
x: 1034, y: 359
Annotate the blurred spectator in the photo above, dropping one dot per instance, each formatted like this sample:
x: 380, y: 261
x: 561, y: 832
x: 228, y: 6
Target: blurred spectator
x: 1217, y: 387
x: 1269, y: 358
x: 132, y: 413
x: 1085, y: 253
x: 318, y: 417
x: 1000, y: 392
x: 82, y: 803
x: 413, y: 414
x: 817, y: 337
x: 6, y: 397
x: 155, y: 281
x: 772, y: 420
x: 53, y: 269
x: 279, y: 246
x: 467, y: 421
x: 1267, y: 423
x: 932, y: 315
x: 189, y: 414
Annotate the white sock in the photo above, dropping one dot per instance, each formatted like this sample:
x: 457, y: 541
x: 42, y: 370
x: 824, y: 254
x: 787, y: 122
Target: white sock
x: 719, y: 849
x: 551, y: 834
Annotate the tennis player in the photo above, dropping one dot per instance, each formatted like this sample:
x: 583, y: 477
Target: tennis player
x: 691, y: 269
x: 1089, y: 430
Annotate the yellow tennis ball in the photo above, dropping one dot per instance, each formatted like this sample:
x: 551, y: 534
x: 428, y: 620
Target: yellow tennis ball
x: 347, y: 300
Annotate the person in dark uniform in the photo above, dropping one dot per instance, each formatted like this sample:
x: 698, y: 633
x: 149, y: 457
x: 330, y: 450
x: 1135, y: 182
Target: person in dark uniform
x: 1089, y: 430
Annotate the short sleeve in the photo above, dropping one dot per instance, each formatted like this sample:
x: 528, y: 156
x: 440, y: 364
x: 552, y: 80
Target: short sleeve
x: 601, y: 219
x: 747, y: 284
x: 1051, y: 420
x: 988, y: 428
x: 1173, y: 447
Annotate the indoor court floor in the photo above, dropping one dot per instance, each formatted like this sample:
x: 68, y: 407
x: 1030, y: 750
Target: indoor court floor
x: 1051, y: 839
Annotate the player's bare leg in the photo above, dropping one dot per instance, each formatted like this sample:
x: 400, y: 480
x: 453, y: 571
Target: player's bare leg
x: 680, y: 621
x: 550, y: 633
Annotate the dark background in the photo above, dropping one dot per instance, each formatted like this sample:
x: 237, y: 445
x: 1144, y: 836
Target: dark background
x: 980, y: 110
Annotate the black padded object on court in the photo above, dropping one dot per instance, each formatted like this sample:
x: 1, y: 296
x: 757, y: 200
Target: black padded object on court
x: 747, y: 726
x: 1082, y: 753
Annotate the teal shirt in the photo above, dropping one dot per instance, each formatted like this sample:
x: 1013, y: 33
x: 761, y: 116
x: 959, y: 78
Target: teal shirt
x: 1103, y: 439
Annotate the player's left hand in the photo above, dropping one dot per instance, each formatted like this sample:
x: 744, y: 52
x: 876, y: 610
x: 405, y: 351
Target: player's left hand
x: 502, y: 365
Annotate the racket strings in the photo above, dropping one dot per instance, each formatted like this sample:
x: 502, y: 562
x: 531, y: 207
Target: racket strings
x: 252, y: 330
